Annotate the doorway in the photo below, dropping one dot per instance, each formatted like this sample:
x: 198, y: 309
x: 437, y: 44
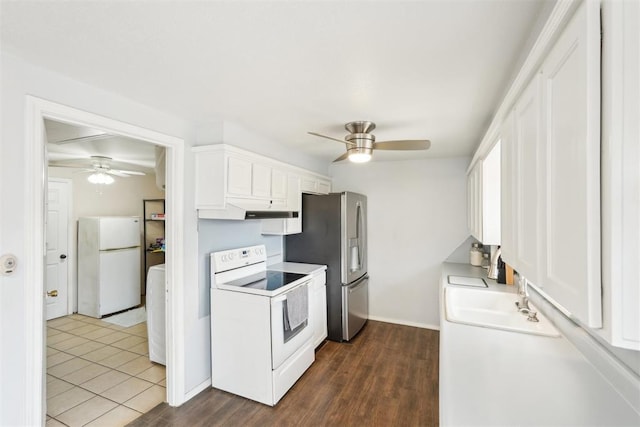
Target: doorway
x: 39, y: 110
x: 98, y: 364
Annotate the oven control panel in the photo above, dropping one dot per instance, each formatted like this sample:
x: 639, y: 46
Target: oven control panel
x: 235, y: 258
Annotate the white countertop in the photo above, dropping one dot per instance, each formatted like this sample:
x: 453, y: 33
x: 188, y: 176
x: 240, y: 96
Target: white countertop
x: 296, y: 267
x: 493, y: 377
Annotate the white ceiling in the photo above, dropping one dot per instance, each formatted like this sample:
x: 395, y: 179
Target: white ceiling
x: 421, y: 69
x: 72, y: 145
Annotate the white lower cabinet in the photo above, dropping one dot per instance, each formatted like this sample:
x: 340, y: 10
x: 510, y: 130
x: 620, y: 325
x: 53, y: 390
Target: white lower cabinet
x: 318, y: 307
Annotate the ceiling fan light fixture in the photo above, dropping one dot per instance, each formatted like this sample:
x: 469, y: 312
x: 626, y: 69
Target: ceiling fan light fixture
x: 359, y: 155
x: 100, y: 178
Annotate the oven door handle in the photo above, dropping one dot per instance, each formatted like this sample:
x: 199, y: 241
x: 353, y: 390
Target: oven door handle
x: 283, y: 296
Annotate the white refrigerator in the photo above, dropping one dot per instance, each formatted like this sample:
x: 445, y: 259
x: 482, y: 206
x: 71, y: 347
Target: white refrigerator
x: 108, y: 264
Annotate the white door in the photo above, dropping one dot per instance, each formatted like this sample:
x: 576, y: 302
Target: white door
x: 57, y: 229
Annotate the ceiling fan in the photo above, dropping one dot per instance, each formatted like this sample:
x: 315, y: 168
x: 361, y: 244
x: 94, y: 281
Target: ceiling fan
x: 361, y: 143
x: 98, y: 166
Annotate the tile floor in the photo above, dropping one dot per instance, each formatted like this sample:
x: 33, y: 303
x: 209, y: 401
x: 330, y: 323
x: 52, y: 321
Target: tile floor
x: 99, y: 374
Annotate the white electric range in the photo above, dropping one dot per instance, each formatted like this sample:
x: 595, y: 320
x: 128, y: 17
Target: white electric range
x: 260, y: 334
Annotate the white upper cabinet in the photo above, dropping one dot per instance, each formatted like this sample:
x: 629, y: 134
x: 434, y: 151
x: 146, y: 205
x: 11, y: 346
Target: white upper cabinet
x: 278, y: 184
x: 525, y: 195
x: 621, y: 173
x: 230, y: 181
x: 315, y: 185
x: 483, y: 198
x: 507, y: 203
x: 551, y: 173
x: 474, y: 208
x: 491, y: 233
x: 261, y: 181
x: 239, y: 180
x: 570, y: 169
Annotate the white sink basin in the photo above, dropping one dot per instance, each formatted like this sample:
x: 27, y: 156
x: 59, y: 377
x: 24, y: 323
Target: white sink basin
x: 490, y: 309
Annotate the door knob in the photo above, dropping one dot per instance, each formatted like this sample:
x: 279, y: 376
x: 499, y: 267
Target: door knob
x: 63, y: 256
x: 53, y: 293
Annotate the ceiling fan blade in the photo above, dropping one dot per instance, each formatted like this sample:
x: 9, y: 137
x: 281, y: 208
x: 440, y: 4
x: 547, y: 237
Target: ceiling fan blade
x: 129, y: 172
x: 406, y: 144
x: 331, y: 138
x: 67, y: 164
x: 341, y: 158
x: 82, y: 139
x: 121, y: 174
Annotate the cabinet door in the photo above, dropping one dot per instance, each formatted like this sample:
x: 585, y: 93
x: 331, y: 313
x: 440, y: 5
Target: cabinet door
x: 570, y: 267
x: 526, y: 188
x: 238, y: 176
x: 474, y: 198
x: 507, y: 196
x: 621, y: 174
x: 278, y: 184
x: 261, y: 181
x: 490, y: 197
x: 324, y: 187
x: 309, y: 185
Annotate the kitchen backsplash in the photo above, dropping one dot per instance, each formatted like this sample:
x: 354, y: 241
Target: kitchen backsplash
x: 217, y: 235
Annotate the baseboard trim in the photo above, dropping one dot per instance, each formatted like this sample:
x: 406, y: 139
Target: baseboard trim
x: 197, y: 390
x: 405, y: 323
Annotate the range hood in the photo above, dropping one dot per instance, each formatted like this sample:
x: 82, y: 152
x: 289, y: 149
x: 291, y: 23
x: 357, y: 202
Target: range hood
x: 240, y: 209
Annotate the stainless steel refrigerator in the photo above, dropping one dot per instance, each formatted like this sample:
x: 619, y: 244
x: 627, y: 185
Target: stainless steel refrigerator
x: 334, y: 233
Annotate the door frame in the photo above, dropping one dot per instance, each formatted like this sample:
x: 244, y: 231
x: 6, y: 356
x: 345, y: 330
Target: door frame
x: 71, y: 253
x: 37, y: 110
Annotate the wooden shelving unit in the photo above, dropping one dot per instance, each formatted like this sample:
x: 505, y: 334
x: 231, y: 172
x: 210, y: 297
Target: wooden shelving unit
x: 154, y: 228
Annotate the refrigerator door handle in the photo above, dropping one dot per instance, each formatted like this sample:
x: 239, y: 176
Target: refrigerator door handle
x: 360, y: 234
x: 119, y: 249
x: 358, y: 284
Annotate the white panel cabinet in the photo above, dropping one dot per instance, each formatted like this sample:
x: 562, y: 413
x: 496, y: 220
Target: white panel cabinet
x: 314, y: 185
x: 551, y: 180
x: 285, y: 226
x: 570, y: 169
x: 621, y: 174
x: 261, y: 180
x: 239, y: 180
x: 507, y: 190
x: 278, y: 184
x: 483, y: 198
x: 474, y: 201
x: 318, y: 307
x: 520, y: 136
x: 525, y: 186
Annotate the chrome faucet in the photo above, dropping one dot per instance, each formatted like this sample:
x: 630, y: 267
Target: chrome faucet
x: 523, y: 303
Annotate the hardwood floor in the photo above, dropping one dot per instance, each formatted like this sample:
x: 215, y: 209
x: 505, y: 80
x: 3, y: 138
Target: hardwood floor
x: 387, y: 375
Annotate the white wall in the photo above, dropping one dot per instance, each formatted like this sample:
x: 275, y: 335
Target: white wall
x: 19, y: 79
x: 417, y: 218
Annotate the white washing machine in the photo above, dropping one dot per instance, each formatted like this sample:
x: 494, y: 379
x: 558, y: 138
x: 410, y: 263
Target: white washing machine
x: 156, y: 314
